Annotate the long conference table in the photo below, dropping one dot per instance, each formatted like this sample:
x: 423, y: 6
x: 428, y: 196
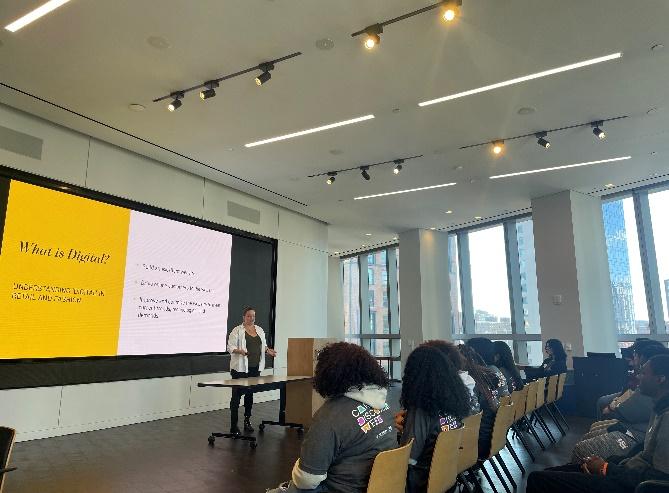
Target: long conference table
x: 257, y: 384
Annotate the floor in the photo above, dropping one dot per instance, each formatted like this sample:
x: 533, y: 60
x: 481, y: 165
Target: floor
x: 172, y: 455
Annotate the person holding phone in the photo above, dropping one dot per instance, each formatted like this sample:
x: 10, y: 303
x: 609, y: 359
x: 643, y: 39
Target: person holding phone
x: 247, y: 346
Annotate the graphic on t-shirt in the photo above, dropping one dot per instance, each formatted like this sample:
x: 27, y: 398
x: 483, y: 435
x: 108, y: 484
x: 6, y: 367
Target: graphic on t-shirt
x: 368, y: 417
x: 448, y: 422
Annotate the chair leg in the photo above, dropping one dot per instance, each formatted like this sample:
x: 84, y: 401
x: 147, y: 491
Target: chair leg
x: 515, y: 458
x: 555, y: 420
x: 473, y: 479
x: 465, y: 484
x: 533, y: 432
x: 489, y: 479
x: 506, y: 471
x: 499, y: 475
x: 543, y: 426
x: 518, y: 433
x: 560, y: 415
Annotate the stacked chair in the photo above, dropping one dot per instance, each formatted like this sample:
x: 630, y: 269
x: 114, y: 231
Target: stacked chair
x: 7, y: 436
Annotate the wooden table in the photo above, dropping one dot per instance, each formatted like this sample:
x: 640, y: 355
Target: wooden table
x: 258, y: 384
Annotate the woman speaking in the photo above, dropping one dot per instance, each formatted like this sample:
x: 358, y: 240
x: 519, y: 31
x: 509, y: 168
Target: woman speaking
x: 247, y: 346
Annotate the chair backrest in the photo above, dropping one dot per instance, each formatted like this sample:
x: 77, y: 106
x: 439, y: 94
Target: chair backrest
x: 531, y: 396
x: 469, y: 445
x: 7, y: 436
x: 389, y: 472
x: 503, y: 421
x: 551, y: 394
x: 561, y: 380
x: 505, y: 400
x: 519, y: 398
x: 541, y: 392
x: 444, y: 465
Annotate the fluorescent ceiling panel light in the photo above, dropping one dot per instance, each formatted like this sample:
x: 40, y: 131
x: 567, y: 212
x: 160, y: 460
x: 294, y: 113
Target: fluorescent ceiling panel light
x: 404, y: 191
x: 311, y: 131
x: 601, y: 161
x: 35, y: 14
x: 525, y: 78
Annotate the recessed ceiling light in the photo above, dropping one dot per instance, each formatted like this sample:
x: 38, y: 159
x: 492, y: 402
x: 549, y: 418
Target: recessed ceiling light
x: 477, y: 217
x: 404, y: 191
x: 311, y: 131
x: 32, y: 16
x: 653, y: 153
x: 609, y: 185
x: 364, y: 245
x: 336, y: 253
x: 554, y: 168
x: 394, y: 238
x: 657, y: 47
x: 325, y: 44
x: 158, y: 42
x: 432, y: 228
x: 136, y: 107
x: 458, y: 168
x: 524, y: 78
x: 449, y: 212
x: 526, y: 110
x: 368, y: 234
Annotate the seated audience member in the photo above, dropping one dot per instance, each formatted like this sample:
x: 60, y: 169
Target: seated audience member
x: 503, y: 359
x: 435, y: 400
x: 351, y: 427
x: 628, y: 424
x: 605, y: 403
x: 490, y: 387
x: 556, y: 360
x: 621, y: 475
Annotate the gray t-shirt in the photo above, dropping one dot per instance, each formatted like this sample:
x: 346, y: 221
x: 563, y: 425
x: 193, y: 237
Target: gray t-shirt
x: 345, y: 437
x: 424, y: 429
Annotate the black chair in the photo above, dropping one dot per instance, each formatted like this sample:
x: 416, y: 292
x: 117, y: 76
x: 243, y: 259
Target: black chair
x: 653, y: 487
x: 7, y: 436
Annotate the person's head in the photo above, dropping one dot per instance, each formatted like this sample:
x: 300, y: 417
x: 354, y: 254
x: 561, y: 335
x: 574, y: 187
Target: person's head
x: 654, y: 378
x: 342, y: 366
x: 555, y: 350
x: 646, y: 352
x: 484, y: 347
x: 450, y: 350
x: 431, y: 383
x: 645, y: 348
x: 486, y: 379
x: 249, y: 315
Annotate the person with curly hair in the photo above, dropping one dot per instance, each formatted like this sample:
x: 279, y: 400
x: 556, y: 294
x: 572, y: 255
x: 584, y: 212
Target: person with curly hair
x: 349, y: 430
x: 436, y: 400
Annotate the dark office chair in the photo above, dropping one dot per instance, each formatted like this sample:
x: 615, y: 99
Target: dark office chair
x: 653, y: 487
x: 6, y: 442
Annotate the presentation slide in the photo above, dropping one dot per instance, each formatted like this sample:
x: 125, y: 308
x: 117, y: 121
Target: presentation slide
x: 83, y: 278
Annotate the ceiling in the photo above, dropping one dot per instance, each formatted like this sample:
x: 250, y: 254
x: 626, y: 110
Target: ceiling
x: 93, y: 58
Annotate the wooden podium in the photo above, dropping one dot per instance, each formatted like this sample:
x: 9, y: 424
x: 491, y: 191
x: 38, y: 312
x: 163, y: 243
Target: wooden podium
x: 302, y: 401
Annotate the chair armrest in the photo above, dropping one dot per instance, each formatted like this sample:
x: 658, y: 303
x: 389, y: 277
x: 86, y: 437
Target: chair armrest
x: 653, y: 487
x: 7, y: 469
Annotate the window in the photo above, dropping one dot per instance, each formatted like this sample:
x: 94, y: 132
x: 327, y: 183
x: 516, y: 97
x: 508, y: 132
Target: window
x: 370, y: 275
x: 528, y: 277
x: 490, y: 287
x: 371, y: 299
x: 351, y: 287
x: 627, y: 283
x: 659, y: 206
x: 454, y: 275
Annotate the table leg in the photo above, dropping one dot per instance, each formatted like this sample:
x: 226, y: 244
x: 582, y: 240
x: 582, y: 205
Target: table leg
x: 282, y: 413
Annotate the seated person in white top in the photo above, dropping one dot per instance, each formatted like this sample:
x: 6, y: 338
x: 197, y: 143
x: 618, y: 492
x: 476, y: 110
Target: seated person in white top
x: 247, y: 347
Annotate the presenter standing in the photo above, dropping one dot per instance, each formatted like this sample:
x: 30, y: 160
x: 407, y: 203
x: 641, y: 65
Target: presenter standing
x: 247, y: 346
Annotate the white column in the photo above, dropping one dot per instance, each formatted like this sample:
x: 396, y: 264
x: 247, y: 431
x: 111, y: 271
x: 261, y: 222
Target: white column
x: 335, y: 299
x: 425, y: 302
x: 575, y: 302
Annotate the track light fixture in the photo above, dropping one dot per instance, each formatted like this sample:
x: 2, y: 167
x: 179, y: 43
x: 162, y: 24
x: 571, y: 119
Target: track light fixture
x: 541, y: 139
x: 364, y: 171
x: 373, y: 37
x: 450, y: 9
x: 207, y: 89
x: 176, y: 102
x: 210, y: 90
x: 331, y: 177
x: 398, y: 166
x: 265, y: 76
x: 599, y: 133
x: 498, y: 147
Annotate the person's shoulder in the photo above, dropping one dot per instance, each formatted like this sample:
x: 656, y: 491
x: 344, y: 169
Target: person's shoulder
x: 236, y: 329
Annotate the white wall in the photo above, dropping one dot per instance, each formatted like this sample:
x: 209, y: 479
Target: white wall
x: 302, y: 278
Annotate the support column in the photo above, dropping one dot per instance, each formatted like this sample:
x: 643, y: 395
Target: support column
x: 575, y: 302
x: 425, y: 311
x: 335, y: 299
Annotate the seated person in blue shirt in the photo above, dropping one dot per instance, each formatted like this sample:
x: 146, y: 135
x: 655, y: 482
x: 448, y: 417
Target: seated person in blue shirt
x: 350, y: 429
x: 436, y: 400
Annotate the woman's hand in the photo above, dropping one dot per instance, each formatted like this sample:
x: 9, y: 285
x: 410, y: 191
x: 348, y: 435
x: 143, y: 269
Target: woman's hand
x: 271, y: 352
x: 399, y: 420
